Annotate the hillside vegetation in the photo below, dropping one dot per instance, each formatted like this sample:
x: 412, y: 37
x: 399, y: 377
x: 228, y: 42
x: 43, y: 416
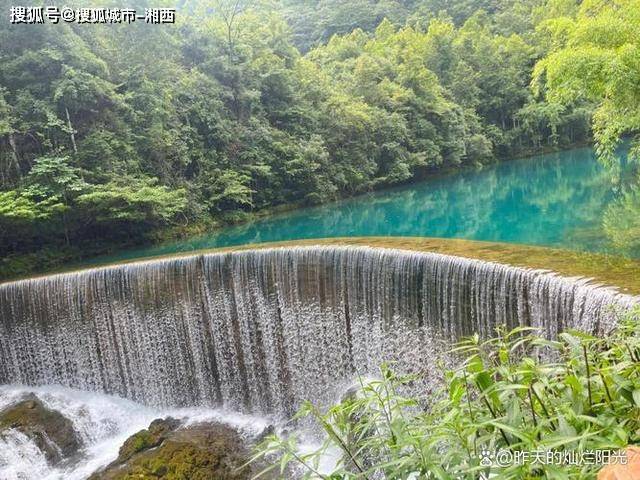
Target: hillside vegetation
x: 115, y: 135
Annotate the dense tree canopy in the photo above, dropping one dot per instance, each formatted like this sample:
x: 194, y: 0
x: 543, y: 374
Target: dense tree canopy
x: 110, y: 133
x: 594, y: 56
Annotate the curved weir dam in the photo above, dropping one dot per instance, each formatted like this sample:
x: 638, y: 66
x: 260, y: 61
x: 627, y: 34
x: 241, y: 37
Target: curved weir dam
x: 260, y: 331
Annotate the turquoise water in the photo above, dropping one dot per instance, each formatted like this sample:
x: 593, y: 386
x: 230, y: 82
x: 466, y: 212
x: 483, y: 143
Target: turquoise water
x: 552, y: 200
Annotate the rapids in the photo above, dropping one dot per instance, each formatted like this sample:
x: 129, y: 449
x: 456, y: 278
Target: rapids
x: 103, y: 423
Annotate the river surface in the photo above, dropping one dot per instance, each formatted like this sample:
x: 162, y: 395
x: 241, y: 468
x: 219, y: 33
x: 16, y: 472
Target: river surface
x: 554, y: 200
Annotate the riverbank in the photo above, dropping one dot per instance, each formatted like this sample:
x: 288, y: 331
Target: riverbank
x: 52, y: 257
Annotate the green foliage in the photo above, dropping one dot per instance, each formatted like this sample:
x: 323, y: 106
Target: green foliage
x: 52, y: 179
x: 314, y: 22
x: 55, y: 197
x: 516, y: 392
x: 133, y: 200
x: 595, y: 57
x: 232, y: 111
x: 226, y: 190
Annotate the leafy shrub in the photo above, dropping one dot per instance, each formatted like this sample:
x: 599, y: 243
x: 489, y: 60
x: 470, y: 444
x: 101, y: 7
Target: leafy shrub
x: 517, y: 392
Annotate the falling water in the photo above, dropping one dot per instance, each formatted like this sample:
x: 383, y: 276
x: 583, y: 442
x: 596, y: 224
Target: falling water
x: 260, y: 331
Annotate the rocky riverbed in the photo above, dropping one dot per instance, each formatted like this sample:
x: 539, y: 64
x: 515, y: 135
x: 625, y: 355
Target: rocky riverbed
x: 55, y: 434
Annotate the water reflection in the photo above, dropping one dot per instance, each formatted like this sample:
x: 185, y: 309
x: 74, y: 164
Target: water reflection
x: 551, y: 200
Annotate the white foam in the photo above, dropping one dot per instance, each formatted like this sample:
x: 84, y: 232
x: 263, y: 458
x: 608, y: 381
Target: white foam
x: 103, y: 422
x: 20, y: 458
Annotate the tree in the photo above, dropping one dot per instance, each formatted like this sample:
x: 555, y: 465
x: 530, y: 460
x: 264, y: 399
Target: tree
x: 53, y: 178
x: 595, y: 57
x: 226, y: 190
x: 622, y: 220
x: 133, y: 203
x: 245, y: 105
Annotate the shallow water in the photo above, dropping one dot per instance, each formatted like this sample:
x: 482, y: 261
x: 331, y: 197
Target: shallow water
x: 554, y: 200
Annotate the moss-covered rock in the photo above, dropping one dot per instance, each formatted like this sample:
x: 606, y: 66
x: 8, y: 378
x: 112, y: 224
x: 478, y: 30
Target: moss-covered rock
x: 158, y: 432
x: 51, y: 431
x: 208, y: 451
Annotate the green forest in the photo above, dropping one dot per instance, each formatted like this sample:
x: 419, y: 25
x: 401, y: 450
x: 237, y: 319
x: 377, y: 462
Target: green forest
x: 115, y: 135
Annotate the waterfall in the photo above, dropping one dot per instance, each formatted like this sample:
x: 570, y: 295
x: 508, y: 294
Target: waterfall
x: 262, y: 330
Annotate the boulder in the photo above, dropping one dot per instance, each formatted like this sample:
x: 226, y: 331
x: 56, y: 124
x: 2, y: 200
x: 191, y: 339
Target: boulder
x: 52, y: 432
x: 152, y: 437
x: 207, y: 451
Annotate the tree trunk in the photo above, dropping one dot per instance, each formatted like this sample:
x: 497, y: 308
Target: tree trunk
x: 71, y: 131
x: 14, y: 155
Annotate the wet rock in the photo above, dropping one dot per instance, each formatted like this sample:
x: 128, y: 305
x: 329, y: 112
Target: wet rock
x: 51, y: 431
x: 208, y: 451
x: 152, y: 437
x: 268, y: 431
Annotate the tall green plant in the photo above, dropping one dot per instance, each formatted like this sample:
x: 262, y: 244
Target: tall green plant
x: 565, y: 403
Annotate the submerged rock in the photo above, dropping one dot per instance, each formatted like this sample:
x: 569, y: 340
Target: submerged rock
x: 207, y: 451
x: 52, y: 432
